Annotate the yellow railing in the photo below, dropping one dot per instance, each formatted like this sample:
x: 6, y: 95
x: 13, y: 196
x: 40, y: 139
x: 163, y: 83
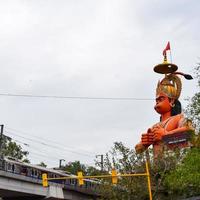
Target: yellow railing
x: 113, y: 175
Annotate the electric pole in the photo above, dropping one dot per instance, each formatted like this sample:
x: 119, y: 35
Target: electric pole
x: 60, y: 163
x: 101, y: 162
x: 1, y: 141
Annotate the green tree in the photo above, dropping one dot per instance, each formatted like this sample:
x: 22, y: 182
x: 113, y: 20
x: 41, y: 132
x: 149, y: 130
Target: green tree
x: 124, y: 160
x: 92, y: 171
x: 184, y: 180
x: 76, y: 166
x: 193, y: 108
x: 42, y: 164
x: 12, y: 149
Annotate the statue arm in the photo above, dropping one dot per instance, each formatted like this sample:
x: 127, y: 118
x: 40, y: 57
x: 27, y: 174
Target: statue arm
x: 177, y: 125
x: 177, y: 130
x: 140, y: 148
x: 183, y: 125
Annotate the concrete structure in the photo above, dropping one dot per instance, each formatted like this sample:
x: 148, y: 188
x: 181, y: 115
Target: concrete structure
x: 14, y: 186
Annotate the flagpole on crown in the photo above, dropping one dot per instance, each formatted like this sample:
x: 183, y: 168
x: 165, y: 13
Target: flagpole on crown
x: 166, y: 67
x: 165, y: 51
x: 170, y: 51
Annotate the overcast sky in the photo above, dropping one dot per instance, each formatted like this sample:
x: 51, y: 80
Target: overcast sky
x: 88, y: 48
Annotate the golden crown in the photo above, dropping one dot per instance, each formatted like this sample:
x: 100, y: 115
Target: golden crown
x: 170, y: 85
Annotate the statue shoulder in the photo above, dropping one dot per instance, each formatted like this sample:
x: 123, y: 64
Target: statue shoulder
x: 179, y: 117
x: 185, y: 122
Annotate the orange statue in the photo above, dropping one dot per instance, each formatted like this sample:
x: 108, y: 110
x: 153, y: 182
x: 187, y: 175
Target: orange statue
x: 173, y: 128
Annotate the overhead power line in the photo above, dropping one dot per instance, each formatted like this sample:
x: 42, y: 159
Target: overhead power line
x: 47, y: 140
x: 77, y: 97
x: 48, y: 145
x: 38, y: 152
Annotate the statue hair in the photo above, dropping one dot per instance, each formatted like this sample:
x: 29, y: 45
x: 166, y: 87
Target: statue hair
x: 177, y: 109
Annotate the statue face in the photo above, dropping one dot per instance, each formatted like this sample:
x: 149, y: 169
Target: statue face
x: 162, y: 104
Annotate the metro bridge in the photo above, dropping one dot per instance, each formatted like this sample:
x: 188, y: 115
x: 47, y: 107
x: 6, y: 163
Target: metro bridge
x: 19, y: 187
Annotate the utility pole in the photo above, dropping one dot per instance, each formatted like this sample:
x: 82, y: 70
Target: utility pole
x: 1, y: 141
x: 60, y: 163
x: 101, y: 162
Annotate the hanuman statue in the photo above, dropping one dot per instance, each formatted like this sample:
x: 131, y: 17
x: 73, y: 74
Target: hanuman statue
x: 173, y: 130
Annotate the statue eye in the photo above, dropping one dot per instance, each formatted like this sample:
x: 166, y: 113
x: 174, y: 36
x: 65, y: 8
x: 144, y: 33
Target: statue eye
x: 160, y: 99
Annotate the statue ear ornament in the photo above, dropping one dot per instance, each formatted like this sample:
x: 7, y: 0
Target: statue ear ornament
x: 172, y: 105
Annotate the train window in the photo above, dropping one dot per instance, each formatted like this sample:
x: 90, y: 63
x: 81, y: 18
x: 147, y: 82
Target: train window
x: 67, y: 182
x: 34, y: 173
x: 88, y: 184
x: 1, y: 164
x: 24, y: 171
x: 76, y: 182
x: 39, y: 174
x: 55, y: 176
x: 72, y: 182
x: 11, y: 167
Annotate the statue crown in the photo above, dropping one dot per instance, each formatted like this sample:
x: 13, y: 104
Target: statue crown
x: 170, y: 85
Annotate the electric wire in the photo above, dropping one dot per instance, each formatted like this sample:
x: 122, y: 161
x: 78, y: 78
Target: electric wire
x: 47, y: 140
x: 76, y: 97
x: 17, y: 141
x: 42, y: 154
x: 30, y: 146
x: 44, y: 144
x: 53, y: 162
x: 48, y: 145
x: 36, y: 153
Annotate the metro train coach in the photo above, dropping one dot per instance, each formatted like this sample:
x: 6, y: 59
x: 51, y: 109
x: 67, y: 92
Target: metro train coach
x: 12, y: 165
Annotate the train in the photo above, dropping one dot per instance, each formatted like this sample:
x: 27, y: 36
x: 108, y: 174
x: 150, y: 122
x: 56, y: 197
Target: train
x: 12, y: 165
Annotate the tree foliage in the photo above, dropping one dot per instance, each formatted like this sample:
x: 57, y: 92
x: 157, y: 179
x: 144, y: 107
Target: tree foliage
x: 76, y: 166
x: 42, y: 164
x: 193, y: 108
x: 12, y: 149
x: 184, y: 180
x: 124, y: 160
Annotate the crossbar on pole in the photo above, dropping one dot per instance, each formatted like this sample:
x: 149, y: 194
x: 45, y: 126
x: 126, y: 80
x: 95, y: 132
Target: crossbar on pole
x: 45, y: 179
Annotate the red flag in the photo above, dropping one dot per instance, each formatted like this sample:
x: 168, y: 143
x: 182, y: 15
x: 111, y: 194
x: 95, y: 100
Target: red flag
x: 166, y: 48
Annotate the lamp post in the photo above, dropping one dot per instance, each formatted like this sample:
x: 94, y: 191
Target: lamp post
x: 1, y: 141
x: 60, y: 163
